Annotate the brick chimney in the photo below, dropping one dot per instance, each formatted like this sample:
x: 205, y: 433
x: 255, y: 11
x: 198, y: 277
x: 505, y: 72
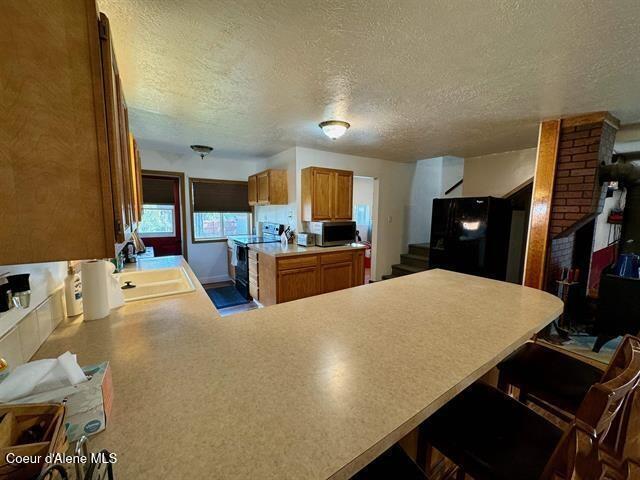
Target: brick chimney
x: 585, y: 143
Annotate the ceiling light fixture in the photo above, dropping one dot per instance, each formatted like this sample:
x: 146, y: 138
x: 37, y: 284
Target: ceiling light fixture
x: 202, y: 150
x: 334, y: 129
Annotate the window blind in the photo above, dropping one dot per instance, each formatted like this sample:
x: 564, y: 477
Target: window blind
x: 219, y: 196
x: 157, y: 190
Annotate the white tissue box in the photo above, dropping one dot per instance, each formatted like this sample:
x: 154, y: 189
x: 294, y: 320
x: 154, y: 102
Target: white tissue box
x: 88, y: 403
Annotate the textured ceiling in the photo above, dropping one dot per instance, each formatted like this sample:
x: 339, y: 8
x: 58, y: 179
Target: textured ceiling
x: 415, y: 78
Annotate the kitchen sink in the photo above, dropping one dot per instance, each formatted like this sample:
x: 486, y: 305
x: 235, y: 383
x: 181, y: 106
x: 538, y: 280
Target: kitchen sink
x: 155, y: 283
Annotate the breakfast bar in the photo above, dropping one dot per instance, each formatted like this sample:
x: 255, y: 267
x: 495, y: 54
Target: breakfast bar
x: 314, y: 388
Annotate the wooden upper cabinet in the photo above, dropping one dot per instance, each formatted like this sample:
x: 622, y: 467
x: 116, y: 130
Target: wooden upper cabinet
x: 268, y: 188
x: 343, y: 204
x: 327, y: 194
x: 68, y: 180
x: 263, y: 188
x: 253, y: 190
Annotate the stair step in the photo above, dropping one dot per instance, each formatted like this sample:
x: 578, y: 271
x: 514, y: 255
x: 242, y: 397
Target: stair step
x: 419, y: 249
x: 387, y: 277
x: 414, y: 260
x: 400, y: 269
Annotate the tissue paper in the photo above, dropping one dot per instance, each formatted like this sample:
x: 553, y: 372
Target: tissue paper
x: 40, y: 376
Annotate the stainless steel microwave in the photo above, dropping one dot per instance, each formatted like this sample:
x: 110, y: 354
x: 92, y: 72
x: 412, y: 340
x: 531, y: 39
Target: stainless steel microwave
x: 331, y: 234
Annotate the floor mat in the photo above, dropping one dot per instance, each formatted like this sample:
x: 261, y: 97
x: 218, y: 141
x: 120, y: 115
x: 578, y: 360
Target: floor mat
x: 223, y: 297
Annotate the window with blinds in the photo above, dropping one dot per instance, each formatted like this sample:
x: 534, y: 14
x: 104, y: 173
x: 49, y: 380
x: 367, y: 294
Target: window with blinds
x: 219, y: 208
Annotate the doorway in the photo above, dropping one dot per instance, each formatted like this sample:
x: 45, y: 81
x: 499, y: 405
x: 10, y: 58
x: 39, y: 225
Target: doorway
x: 364, y: 214
x: 163, y: 225
x: 521, y: 206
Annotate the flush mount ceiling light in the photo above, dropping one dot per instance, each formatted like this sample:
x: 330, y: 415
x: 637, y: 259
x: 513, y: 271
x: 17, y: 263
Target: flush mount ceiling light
x: 334, y: 129
x: 202, y: 150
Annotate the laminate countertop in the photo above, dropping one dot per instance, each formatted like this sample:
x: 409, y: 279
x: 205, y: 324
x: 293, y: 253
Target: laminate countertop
x: 277, y: 250
x: 310, y: 389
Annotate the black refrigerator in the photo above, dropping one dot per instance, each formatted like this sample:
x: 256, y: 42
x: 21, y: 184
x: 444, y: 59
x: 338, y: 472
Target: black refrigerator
x: 471, y: 235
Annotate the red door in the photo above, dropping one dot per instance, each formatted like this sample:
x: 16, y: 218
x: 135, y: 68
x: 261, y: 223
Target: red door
x: 166, y: 245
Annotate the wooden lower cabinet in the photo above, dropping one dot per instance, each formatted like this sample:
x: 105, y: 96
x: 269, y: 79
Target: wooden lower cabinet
x: 283, y: 279
x: 297, y: 283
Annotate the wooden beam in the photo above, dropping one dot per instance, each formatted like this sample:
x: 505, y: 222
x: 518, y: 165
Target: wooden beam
x: 587, y: 118
x: 545, y: 170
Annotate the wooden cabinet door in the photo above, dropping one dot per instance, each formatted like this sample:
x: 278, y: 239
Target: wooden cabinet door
x: 336, y: 276
x: 263, y: 187
x: 343, y: 204
x: 297, y: 283
x: 125, y: 157
x: 136, y: 180
x: 253, y: 190
x: 110, y: 78
x: 323, y: 194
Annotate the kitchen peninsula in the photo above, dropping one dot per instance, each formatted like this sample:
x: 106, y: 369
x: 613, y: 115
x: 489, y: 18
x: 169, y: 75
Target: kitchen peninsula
x: 285, y: 273
x: 314, y: 388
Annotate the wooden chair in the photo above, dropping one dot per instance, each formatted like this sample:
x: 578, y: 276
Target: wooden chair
x: 492, y: 436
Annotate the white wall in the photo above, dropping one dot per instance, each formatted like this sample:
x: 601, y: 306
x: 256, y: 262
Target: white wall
x: 498, y: 174
x: 392, y: 195
x: 208, y: 260
x: 44, y: 279
x: 431, y: 178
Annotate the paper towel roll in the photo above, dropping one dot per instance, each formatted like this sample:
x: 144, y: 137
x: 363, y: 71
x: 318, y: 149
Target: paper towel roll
x: 95, y: 289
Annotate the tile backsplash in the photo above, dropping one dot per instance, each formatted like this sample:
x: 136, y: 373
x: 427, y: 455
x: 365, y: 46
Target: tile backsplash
x: 45, y: 279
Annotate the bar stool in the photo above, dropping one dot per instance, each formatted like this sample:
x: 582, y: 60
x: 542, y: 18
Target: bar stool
x: 492, y: 436
x: 553, y: 380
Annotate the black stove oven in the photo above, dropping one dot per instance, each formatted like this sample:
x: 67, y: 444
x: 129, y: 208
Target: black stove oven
x: 240, y: 244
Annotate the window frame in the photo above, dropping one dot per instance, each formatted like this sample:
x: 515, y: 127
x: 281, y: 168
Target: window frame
x: 192, y: 213
x: 172, y: 234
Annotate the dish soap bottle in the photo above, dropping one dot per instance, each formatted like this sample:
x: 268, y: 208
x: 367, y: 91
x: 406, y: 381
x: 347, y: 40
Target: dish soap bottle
x: 73, y: 291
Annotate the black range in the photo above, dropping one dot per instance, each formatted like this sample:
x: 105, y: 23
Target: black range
x: 240, y: 244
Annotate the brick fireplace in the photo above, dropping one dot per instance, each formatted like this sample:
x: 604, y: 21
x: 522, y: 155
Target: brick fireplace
x: 578, y: 196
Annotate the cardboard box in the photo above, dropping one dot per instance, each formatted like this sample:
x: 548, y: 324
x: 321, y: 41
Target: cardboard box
x: 88, y: 405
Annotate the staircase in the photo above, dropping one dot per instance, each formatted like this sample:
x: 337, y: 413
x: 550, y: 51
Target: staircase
x: 417, y: 260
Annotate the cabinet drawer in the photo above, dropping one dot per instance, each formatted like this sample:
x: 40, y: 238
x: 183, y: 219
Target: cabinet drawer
x: 297, y: 262
x: 253, y: 255
x: 338, y: 257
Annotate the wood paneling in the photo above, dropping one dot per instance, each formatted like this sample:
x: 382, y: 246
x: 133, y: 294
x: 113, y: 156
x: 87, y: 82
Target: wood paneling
x: 326, y: 194
x: 536, y: 255
x: 297, y: 283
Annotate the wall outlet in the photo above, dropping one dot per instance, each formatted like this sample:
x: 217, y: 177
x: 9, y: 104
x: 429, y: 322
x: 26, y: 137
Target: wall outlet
x: 389, y: 219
